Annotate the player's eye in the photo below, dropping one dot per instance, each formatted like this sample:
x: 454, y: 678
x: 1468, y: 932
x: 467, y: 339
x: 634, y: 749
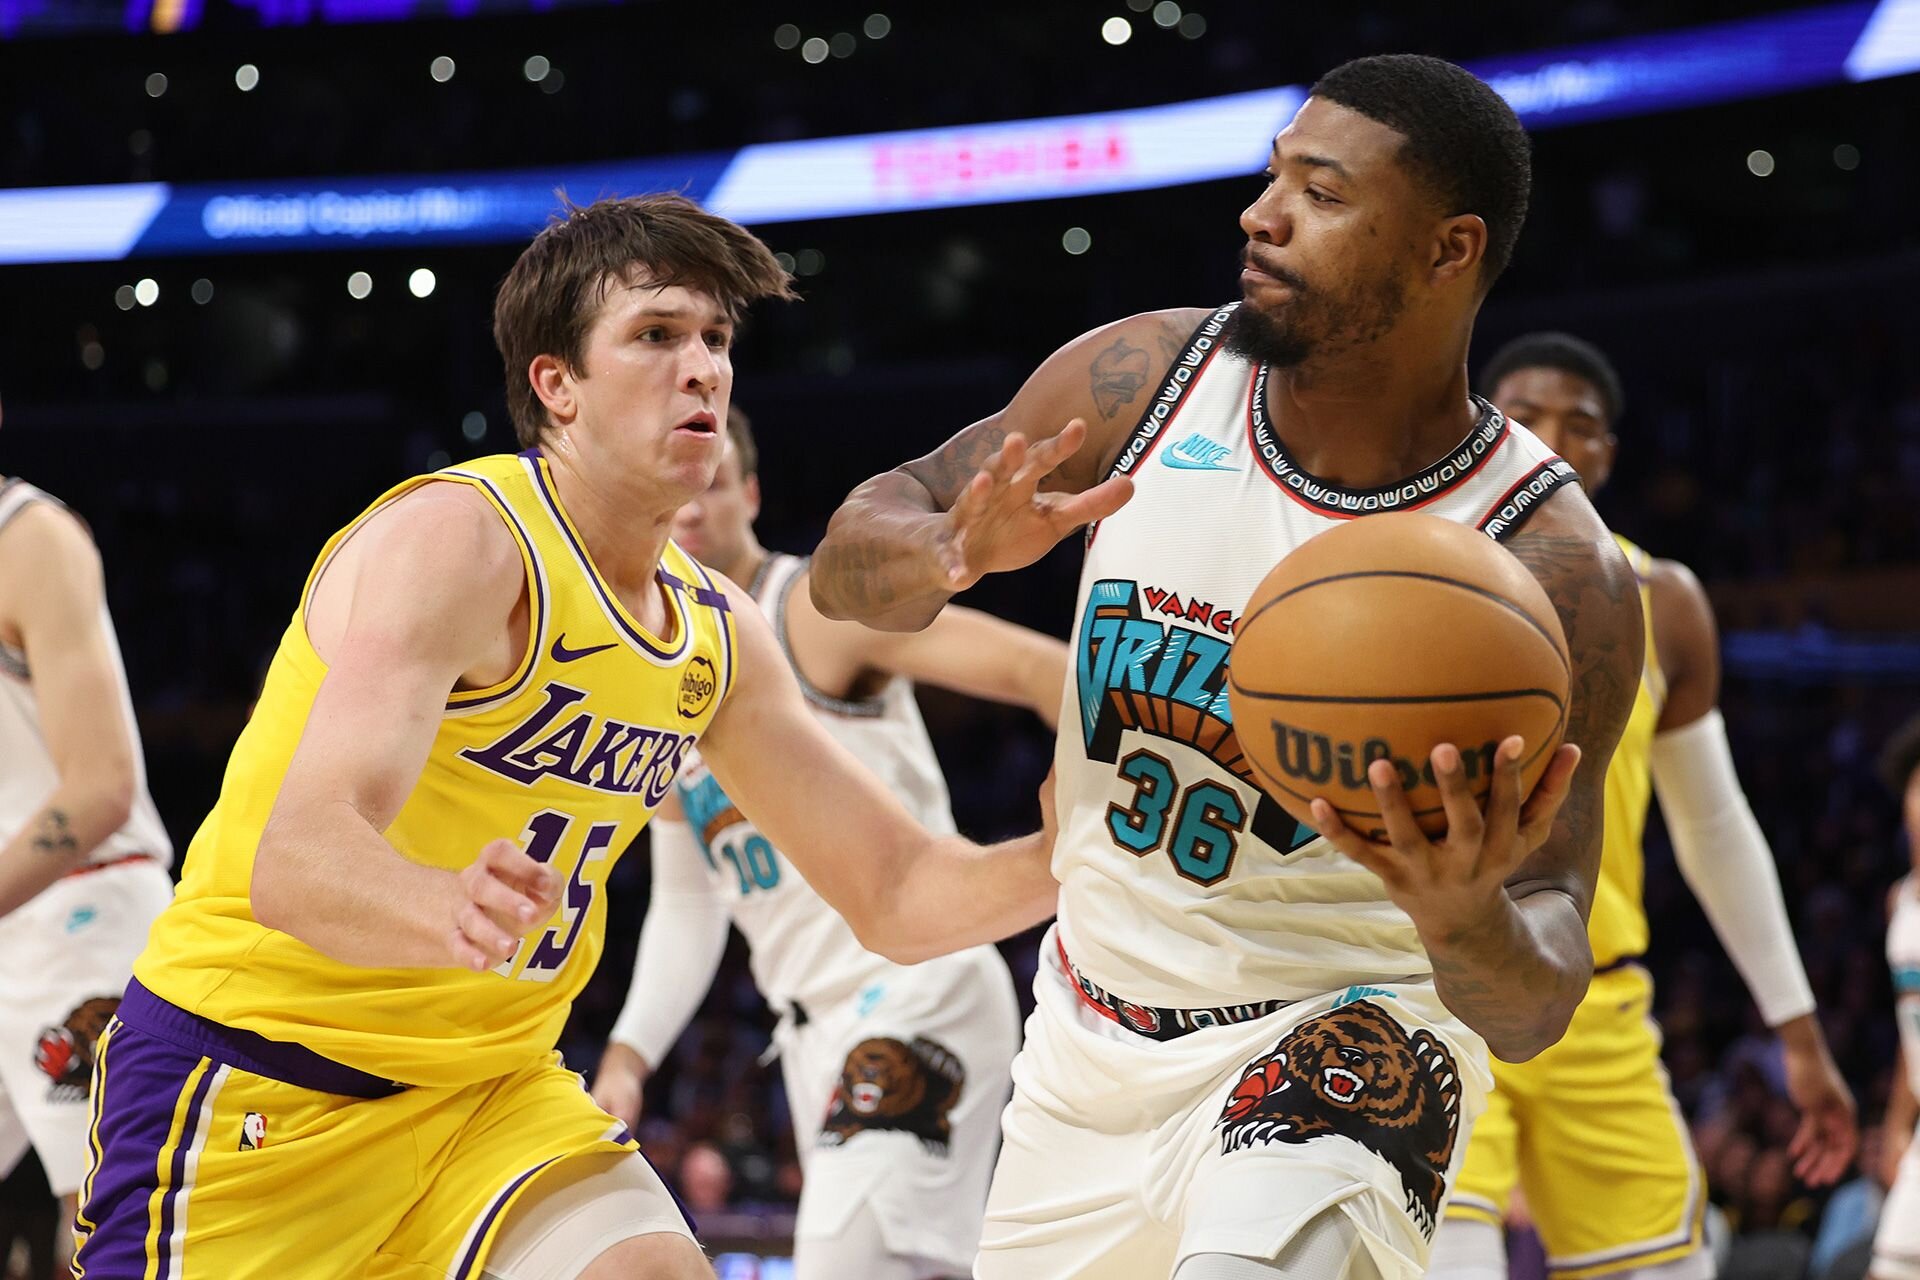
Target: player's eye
x: 652, y: 334
x: 719, y: 340
x: 1320, y: 197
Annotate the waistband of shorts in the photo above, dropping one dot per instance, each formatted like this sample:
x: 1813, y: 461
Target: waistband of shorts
x: 1622, y: 962
x: 120, y: 861
x: 292, y: 1064
x: 1156, y: 1023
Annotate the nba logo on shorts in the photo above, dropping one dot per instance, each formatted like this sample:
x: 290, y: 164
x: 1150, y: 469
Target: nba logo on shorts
x: 253, y: 1132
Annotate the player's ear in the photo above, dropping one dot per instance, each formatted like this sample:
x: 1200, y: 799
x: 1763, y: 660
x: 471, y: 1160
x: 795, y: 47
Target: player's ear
x: 1459, y: 246
x: 751, y: 488
x: 553, y: 383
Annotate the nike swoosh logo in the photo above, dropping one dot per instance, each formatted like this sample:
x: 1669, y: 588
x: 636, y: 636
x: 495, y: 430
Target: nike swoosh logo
x: 563, y: 654
x: 1197, y: 453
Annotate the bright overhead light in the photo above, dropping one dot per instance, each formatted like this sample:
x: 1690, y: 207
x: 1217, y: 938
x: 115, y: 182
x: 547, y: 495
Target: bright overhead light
x: 441, y: 69
x: 1760, y: 163
x: 123, y: 297
x: 1076, y: 241
x: 246, y: 78
x: 1166, y: 14
x: 877, y: 26
x: 421, y: 282
x: 147, y: 292
x: 202, y: 291
x: 1116, y: 31
x: 156, y: 84
x: 786, y: 36
x: 814, y: 50
x: 536, y: 68
x: 359, y: 284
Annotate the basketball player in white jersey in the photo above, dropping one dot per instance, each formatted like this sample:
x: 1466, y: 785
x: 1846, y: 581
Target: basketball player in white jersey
x: 1258, y: 1045
x: 895, y: 1076
x: 83, y: 857
x: 1896, y: 1246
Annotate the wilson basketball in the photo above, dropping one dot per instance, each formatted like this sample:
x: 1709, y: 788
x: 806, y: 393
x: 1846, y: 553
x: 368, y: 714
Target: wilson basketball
x: 1384, y: 638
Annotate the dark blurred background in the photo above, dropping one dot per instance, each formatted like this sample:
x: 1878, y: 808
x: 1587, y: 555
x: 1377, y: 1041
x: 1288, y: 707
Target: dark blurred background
x: 1762, y: 322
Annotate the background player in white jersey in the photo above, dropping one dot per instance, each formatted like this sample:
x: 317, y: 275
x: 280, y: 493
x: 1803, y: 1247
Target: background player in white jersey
x: 1896, y: 1246
x: 1257, y: 1046
x: 1590, y: 1130
x: 83, y: 857
x: 895, y: 1076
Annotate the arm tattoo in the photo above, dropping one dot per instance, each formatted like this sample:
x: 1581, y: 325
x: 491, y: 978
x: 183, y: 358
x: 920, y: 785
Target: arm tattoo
x: 55, y: 834
x: 947, y: 470
x: 1118, y: 375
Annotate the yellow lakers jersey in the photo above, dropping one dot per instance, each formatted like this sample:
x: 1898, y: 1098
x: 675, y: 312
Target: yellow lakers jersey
x: 1618, y: 926
x: 570, y: 757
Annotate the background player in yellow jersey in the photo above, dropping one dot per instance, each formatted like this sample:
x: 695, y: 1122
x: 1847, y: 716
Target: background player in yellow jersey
x: 1589, y: 1129
x: 336, y: 1056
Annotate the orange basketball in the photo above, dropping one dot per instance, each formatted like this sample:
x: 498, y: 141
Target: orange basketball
x: 1386, y: 637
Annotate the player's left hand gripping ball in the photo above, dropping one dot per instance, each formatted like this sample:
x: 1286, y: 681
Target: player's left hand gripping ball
x: 1449, y: 883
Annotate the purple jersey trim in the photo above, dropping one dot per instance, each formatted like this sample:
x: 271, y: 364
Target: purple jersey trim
x: 471, y: 1259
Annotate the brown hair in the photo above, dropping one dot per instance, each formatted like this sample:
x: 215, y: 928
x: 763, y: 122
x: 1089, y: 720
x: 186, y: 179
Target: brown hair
x: 550, y: 298
x: 740, y: 431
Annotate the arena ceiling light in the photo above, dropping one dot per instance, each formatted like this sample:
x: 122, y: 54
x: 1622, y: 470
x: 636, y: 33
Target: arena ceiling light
x: 1062, y: 156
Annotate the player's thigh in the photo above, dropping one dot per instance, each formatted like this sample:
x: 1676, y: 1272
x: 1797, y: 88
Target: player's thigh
x: 596, y: 1215
x: 1896, y: 1245
x: 201, y: 1170
x: 510, y: 1147
x: 1611, y: 1177
x: 1490, y: 1169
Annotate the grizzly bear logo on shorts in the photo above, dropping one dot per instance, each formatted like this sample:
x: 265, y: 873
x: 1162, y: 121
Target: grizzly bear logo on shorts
x: 65, y: 1052
x: 1354, y: 1072
x: 889, y: 1084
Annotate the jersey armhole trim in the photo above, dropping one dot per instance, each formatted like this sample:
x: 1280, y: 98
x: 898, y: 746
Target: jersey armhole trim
x: 1510, y: 512
x: 539, y: 593
x: 1173, y: 388
x: 854, y: 708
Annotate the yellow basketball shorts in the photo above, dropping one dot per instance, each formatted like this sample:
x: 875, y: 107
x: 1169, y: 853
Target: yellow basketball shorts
x: 206, y: 1163
x: 1591, y: 1132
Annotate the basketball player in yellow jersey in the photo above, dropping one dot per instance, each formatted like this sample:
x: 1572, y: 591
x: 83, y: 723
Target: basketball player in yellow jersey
x: 336, y: 1056
x: 1589, y: 1129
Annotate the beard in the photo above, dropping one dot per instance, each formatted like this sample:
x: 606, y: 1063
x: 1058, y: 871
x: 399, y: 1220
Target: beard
x: 1265, y: 339
x: 1315, y: 324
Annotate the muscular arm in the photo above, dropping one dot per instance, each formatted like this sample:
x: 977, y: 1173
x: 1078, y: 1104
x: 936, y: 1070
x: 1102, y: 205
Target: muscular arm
x: 55, y: 609
x: 962, y: 649
x: 907, y: 894
x: 424, y: 597
x: 1516, y: 975
x: 880, y: 562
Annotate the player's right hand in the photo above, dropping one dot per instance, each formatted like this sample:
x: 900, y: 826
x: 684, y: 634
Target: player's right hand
x: 620, y: 1082
x: 1003, y: 521
x: 504, y: 895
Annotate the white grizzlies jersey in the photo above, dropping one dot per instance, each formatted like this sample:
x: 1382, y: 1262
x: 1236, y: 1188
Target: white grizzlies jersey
x: 1903, y: 956
x: 1182, y: 884
x: 801, y: 950
x: 27, y: 775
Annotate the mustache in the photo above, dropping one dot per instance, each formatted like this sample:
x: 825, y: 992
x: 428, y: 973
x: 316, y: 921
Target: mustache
x: 1284, y: 276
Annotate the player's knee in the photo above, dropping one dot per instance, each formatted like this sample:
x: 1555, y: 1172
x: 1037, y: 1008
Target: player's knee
x: 1468, y: 1249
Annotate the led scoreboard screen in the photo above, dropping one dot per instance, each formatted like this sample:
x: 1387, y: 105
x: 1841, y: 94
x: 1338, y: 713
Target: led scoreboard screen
x: 101, y: 17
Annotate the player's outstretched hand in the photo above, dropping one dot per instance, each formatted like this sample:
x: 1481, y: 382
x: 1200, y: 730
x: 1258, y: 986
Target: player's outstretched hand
x: 505, y: 895
x: 1447, y: 885
x: 620, y: 1082
x: 1002, y: 520
x: 1829, y: 1133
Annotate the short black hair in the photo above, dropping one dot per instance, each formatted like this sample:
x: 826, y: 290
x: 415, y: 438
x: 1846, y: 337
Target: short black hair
x: 1562, y: 351
x: 1463, y: 140
x: 1900, y: 757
